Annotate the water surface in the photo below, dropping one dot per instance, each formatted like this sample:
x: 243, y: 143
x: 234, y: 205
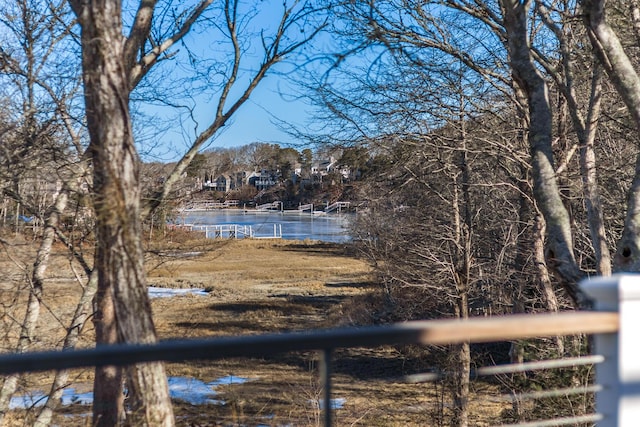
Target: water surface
x: 295, y: 226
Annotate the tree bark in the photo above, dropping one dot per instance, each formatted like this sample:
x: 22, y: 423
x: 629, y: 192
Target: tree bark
x: 119, y: 255
x: 32, y: 313
x: 618, y: 66
x: 545, y: 187
x: 461, y: 353
x: 588, y: 171
x: 83, y: 311
x: 463, y: 223
x: 108, y: 398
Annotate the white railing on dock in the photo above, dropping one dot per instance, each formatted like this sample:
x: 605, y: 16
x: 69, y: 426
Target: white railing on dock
x: 305, y: 208
x: 269, y: 206
x: 277, y: 233
x: 209, y: 206
x: 337, y: 206
x: 225, y: 231
x: 231, y: 231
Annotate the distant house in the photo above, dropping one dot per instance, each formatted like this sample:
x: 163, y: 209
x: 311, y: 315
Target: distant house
x: 226, y: 182
x: 222, y: 183
x: 263, y: 180
x: 296, y: 174
x: 323, y: 167
x: 347, y: 174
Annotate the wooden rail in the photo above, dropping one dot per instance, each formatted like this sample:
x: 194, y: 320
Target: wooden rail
x: 504, y: 328
x: 498, y: 328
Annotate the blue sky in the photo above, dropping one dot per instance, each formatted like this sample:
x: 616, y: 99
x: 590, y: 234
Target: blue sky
x: 256, y: 121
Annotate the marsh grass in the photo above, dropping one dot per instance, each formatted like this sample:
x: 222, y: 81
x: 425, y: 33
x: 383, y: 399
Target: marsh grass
x: 255, y: 286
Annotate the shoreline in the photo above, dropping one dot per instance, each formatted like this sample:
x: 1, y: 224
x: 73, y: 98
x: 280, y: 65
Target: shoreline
x: 260, y: 211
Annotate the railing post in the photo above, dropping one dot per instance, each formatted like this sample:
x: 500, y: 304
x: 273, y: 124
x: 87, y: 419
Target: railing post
x: 619, y: 375
x: 325, y: 378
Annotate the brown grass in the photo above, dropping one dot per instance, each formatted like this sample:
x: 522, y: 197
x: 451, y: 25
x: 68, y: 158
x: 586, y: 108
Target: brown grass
x: 255, y: 286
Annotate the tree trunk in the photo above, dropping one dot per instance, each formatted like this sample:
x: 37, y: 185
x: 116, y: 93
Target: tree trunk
x: 545, y: 187
x: 615, y: 61
x: 588, y: 171
x: 460, y: 353
x: 83, y: 311
x: 32, y: 313
x: 542, y: 275
x: 108, y: 398
x: 463, y: 223
x: 119, y: 255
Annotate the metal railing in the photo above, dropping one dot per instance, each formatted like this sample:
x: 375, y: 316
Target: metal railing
x: 425, y: 332
x: 617, y: 385
x: 231, y: 231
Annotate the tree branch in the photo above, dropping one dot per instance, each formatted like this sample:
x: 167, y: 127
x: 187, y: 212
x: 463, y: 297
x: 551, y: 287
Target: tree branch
x: 139, y: 70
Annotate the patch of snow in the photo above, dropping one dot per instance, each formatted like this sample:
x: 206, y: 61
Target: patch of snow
x: 73, y: 398
x: 26, y: 401
x: 181, y: 254
x: 192, y: 391
x: 69, y: 397
x: 186, y: 389
x: 156, y: 292
x: 228, y: 380
x: 337, y: 403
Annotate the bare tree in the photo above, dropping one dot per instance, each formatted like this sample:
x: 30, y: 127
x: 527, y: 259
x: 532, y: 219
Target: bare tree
x: 425, y: 197
x: 504, y: 45
x: 112, y: 69
x: 608, y: 47
x: 46, y: 88
x: 113, y: 65
x: 505, y: 48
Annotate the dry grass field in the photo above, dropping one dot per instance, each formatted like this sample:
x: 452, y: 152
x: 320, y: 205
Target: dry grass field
x: 253, y: 287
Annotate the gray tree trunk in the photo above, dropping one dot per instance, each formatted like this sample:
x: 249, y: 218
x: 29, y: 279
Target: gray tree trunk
x: 463, y: 223
x: 618, y: 66
x: 83, y: 311
x: 546, y: 192
x: 588, y: 171
x: 32, y: 313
